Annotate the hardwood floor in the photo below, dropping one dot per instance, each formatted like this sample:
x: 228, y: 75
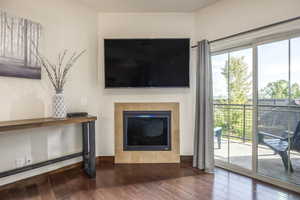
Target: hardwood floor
x: 143, y: 182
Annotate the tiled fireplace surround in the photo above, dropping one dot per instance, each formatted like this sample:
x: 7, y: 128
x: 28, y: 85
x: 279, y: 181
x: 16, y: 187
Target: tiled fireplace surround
x: 172, y: 156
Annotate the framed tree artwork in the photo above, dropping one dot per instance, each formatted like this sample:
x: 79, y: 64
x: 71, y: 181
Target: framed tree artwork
x: 19, y: 43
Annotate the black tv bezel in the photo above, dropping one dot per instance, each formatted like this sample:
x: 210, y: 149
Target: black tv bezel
x: 145, y: 87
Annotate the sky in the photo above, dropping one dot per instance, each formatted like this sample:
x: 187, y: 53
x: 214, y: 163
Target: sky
x: 273, y: 64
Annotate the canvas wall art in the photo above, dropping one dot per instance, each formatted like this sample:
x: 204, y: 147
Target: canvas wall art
x: 19, y: 43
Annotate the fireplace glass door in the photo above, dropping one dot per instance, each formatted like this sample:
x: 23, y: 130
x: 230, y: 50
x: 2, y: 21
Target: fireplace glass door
x: 147, y: 131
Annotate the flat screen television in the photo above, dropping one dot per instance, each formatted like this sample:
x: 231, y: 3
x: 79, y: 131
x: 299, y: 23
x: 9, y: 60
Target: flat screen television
x: 147, y: 63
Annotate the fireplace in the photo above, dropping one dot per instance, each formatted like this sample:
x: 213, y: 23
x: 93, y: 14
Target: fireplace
x: 147, y: 130
x: 134, y: 144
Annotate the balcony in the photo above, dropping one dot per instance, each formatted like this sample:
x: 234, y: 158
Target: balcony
x: 236, y: 145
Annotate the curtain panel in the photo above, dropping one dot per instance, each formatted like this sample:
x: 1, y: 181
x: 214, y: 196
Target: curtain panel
x: 203, y: 139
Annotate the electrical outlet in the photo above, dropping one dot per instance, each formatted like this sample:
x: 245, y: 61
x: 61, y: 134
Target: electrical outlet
x: 28, y: 159
x: 20, y: 162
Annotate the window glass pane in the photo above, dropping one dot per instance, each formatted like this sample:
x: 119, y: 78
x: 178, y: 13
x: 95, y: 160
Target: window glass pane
x: 220, y: 96
x: 295, y: 71
x: 220, y: 89
x: 274, y: 114
x: 240, y: 117
x: 240, y: 73
x: 273, y: 73
x: 294, y: 134
x: 232, y: 77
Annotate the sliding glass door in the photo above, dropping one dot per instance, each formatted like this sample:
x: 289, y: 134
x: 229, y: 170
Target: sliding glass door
x: 232, y: 78
x: 256, y: 94
x: 278, y: 110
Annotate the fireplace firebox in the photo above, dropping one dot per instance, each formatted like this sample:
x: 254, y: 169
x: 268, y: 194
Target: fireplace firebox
x: 147, y: 130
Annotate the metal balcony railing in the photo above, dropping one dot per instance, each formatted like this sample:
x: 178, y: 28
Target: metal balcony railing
x: 235, y: 120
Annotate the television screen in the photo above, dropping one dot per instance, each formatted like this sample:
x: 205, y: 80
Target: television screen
x: 147, y: 62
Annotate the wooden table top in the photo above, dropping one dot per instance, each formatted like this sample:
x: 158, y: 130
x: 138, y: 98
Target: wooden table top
x: 42, y: 122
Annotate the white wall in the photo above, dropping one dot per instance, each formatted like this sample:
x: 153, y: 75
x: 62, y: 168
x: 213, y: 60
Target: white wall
x: 66, y: 25
x: 227, y: 17
x: 73, y: 26
x: 146, y: 25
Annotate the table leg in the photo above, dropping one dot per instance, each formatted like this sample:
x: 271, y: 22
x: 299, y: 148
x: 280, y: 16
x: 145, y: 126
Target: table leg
x: 92, y: 158
x: 85, y: 146
x: 88, y: 140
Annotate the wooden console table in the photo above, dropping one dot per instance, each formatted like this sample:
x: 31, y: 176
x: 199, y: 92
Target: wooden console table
x: 88, y: 134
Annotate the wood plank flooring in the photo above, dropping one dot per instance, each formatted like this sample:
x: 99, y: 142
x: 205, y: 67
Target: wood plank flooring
x: 143, y: 182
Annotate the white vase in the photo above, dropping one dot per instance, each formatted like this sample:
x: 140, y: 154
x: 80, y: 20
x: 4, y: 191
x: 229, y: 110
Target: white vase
x: 59, y: 107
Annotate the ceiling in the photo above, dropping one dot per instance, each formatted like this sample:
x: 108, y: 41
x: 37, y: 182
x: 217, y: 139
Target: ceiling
x: 147, y: 5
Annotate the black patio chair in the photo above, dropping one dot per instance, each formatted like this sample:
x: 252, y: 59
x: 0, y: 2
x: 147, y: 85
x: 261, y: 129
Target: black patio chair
x: 280, y: 145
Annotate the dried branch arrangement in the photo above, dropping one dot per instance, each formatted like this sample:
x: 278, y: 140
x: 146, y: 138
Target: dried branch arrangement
x: 57, y: 73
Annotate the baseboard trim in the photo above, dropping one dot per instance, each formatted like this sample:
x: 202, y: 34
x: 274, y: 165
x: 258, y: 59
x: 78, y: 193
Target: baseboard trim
x: 186, y: 159
x: 105, y: 159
